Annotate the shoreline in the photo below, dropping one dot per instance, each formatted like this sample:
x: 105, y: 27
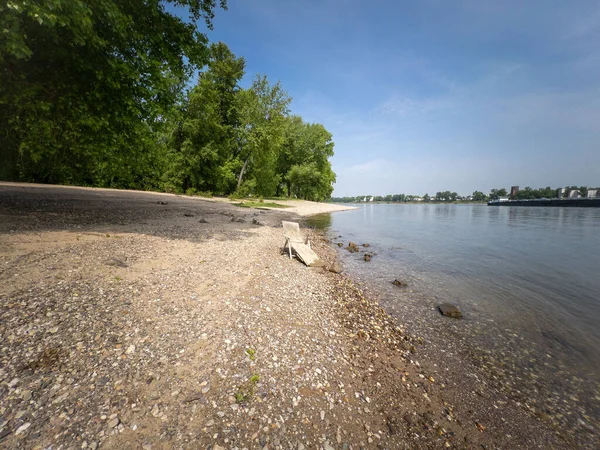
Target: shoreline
x: 484, y: 360
x: 133, y: 323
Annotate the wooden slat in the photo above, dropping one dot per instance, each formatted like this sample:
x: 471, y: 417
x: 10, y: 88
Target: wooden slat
x: 304, y: 252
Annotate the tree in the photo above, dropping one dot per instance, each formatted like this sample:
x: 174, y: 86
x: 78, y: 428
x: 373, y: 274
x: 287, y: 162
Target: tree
x: 306, y: 144
x: 495, y: 194
x: 479, y: 196
x: 426, y: 198
x: 263, y: 109
x: 85, y: 84
x: 203, y: 151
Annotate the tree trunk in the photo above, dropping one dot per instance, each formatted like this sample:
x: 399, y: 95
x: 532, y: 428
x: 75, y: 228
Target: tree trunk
x: 242, y: 173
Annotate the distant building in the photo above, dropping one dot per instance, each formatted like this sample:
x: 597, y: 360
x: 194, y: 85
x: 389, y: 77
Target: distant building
x: 593, y: 193
x: 574, y: 193
x: 503, y: 199
x: 514, y: 190
x: 418, y: 199
x: 561, y: 193
x: 371, y: 198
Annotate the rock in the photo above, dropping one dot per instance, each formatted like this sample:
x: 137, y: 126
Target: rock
x: 399, y: 283
x: 367, y: 257
x: 450, y: 310
x: 130, y: 349
x: 161, y: 203
x: 408, y: 420
x: 193, y: 397
x: 218, y: 447
x: 188, y: 214
x: 116, y: 262
x: 366, y: 245
x: 352, y: 247
x: 340, y: 244
x: 22, y: 428
x: 203, y: 221
x: 114, y: 422
x: 336, y: 267
x: 256, y: 222
x: 26, y: 395
x: 391, y: 425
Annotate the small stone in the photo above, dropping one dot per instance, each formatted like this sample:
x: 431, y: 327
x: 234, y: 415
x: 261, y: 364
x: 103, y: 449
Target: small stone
x: 113, y: 422
x: 218, y: 447
x: 450, y: 310
x: 53, y: 330
x: 94, y: 445
x: 26, y: 395
x: 210, y: 423
x: 130, y: 349
x: 399, y: 283
x: 202, y: 221
x: 22, y: 428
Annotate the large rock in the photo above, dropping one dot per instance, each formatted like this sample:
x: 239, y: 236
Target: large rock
x: 336, y: 267
x: 450, y: 310
x: 352, y: 247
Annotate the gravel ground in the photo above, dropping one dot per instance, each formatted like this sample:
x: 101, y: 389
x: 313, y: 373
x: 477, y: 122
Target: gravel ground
x: 140, y: 320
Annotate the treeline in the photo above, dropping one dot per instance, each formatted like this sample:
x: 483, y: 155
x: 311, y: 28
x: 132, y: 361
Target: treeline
x: 476, y: 196
x: 95, y: 93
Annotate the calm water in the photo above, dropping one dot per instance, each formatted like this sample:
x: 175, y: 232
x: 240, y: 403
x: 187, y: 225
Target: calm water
x: 530, y: 270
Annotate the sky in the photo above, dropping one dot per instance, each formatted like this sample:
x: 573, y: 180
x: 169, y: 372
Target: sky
x: 426, y: 96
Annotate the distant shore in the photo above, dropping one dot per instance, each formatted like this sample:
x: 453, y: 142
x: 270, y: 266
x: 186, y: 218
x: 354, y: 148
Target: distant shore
x: 135, y: 319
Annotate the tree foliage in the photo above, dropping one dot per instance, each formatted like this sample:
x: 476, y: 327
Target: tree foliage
x: 94, y: 93
x: 84, y: 85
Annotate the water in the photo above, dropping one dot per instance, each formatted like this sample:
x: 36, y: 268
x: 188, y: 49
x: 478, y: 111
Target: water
x: 526, y: 272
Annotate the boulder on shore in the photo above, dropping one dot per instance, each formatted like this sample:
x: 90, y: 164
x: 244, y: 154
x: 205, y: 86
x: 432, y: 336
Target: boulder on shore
x: 336, y: 267
x: 450, y: 310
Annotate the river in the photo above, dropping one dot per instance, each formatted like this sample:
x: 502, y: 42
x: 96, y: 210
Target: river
x: 527, y: 280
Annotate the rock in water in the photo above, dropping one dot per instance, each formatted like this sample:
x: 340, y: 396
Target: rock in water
x: 352, y: 247
x: 367, y: 257
x: 340, y: 244
x: 399, y: 283
x: 450, y: 310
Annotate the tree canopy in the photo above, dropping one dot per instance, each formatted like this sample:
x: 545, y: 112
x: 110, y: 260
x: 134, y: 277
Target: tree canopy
x: 94, y: 93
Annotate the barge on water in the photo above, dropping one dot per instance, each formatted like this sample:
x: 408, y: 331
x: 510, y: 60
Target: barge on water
x: 570, y: 202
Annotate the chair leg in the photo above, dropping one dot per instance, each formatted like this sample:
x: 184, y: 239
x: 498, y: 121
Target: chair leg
x: 290, y: 248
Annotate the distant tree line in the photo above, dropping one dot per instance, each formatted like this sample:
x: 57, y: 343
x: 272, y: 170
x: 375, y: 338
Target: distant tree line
x: 97, y: 93
x: 477, y: 196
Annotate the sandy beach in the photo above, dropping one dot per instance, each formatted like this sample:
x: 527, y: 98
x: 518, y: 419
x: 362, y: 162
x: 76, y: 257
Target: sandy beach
x: 155, y: 321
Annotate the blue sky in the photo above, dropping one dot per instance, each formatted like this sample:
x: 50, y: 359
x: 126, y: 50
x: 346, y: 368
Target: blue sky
x: 426, y: 96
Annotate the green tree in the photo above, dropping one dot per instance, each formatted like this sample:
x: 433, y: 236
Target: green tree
x: 306, y: 144
x: 479, y: 196
x: 85, y: 84
x: 263, y: 109
x: 495, y: 194
x: 203, y: 153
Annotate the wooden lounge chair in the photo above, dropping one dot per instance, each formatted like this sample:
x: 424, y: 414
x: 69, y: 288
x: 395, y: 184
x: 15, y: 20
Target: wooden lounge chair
x: 294, y: 240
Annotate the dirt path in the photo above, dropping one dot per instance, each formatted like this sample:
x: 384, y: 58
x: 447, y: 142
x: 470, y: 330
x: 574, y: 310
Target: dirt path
x: 139, y: 320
